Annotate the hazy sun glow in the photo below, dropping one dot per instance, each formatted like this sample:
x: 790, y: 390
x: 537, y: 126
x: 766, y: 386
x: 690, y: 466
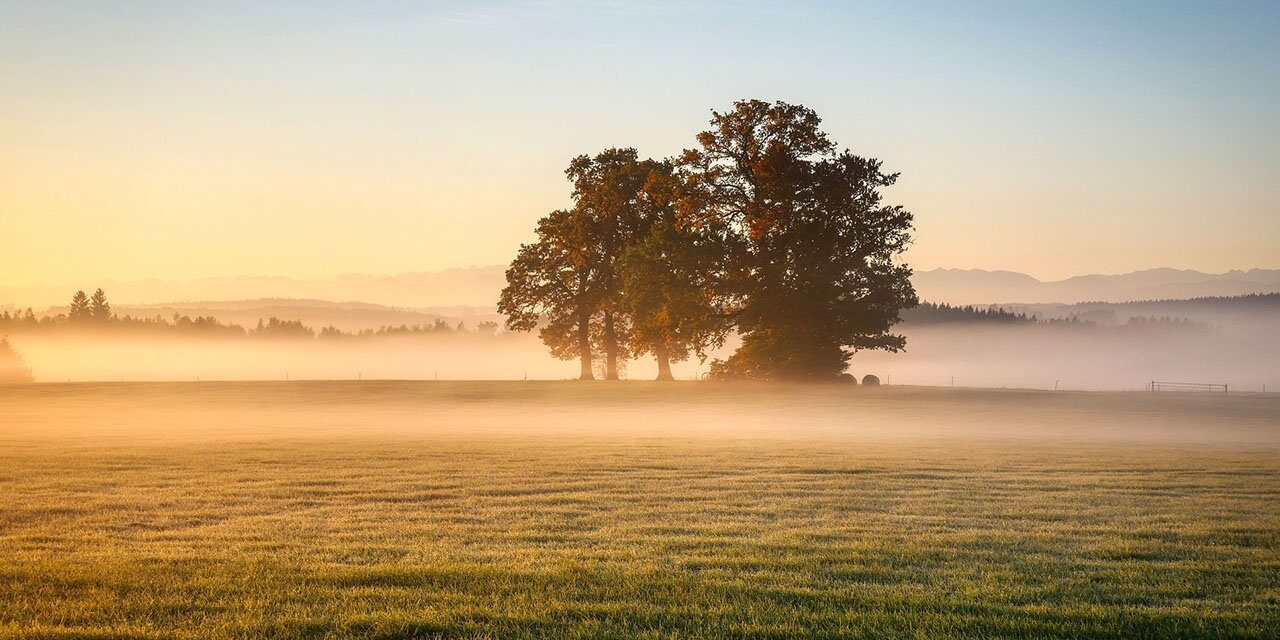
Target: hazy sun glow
x: 158, y: 140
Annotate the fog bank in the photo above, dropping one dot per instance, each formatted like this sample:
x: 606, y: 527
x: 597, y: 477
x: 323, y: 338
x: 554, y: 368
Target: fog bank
x: 1017, y: 356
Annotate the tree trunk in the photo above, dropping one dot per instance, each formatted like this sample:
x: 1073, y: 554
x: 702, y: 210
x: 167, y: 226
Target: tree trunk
x: 610, y: 348
x: 584, y: 346
x: 664, y: 363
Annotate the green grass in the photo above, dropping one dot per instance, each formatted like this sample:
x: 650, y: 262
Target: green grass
x: 362, y: 511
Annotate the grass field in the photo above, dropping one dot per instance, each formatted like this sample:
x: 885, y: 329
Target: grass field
x: 522, y: 510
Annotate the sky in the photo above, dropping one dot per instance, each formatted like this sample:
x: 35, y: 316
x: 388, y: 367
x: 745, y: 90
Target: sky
x: 182, y: 140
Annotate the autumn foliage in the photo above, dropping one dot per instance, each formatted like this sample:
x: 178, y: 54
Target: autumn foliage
x: 764, y: 229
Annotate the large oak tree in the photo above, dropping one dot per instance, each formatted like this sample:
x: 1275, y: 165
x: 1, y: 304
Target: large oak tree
x: 764, y: 228
x: 568, y: 283
x: 814, y: 274
x: 669, y: 276
x: 550, y: 286
x: 606, y: 190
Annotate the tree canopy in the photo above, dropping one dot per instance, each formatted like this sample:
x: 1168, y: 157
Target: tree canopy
x: 551, y: 287
x: 669, y: 280
x: 814, y: 274
x: 763, y: 228
x: 613, y: 276
x: 606, y: 190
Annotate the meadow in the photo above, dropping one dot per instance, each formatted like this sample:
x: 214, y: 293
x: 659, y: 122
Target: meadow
x: 634, y: 510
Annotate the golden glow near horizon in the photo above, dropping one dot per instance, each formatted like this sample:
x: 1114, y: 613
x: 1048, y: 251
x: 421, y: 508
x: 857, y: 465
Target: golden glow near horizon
x: 180, y: 142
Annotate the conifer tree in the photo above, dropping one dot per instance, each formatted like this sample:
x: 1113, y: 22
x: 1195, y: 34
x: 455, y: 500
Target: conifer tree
x: 80, y: 308
x: 99, y: 308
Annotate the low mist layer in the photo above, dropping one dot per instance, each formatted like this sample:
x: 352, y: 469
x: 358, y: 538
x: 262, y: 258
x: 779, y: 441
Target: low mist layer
x: 1079, y: 357
x: 1021, y: 355
x: 144, y: 412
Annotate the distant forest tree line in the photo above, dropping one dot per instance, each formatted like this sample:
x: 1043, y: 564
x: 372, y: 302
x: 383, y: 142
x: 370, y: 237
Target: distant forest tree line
x: 98, y: 317
x: 93, y: 313
x: 938, y: 313
x: 928, y: 313
x: 1241, y: 301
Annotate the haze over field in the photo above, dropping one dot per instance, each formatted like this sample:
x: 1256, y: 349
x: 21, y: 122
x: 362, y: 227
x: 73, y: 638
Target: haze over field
x: 1120, y: 346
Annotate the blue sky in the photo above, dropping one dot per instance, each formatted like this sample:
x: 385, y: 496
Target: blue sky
x: 310, y: 139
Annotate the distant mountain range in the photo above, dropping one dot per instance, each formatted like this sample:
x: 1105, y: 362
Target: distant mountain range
x: 975, y: 286
x: 479, y: 286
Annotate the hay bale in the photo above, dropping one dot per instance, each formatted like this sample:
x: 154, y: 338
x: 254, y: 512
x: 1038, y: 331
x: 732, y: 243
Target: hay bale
x: 870, y: 380
x: 848, y: 378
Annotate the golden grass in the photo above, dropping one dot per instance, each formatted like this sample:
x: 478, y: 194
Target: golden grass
x: 351, y: 511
